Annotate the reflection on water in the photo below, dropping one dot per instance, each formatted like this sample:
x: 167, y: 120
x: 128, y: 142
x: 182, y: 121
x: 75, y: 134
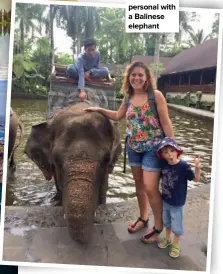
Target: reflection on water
x: 4, y: 54
x: 3, y: 71
x: 4, y: 28
x: 28, y: 187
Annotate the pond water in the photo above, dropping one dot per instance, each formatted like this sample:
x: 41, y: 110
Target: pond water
x: 28, y: 186
x: 4, y: 55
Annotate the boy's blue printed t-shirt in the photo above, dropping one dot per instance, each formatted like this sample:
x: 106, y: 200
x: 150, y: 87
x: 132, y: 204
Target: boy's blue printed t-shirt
x: 174, y: 182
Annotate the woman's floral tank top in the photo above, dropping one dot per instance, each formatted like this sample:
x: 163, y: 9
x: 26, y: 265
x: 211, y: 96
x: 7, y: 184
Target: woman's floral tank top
x: 143, y: 128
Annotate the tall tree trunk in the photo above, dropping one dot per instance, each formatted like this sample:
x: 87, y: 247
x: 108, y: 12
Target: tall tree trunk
x: 78, y: 44
x: 52, y: 53
x: 111, y: 55
x: 156, y: 56
x: 21, y: 36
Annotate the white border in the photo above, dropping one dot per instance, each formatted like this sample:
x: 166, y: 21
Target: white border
x: 214, y: 149
x: 215, y: 142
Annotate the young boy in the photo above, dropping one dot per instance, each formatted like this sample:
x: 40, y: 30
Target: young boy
x: 175, y: 174
x: 87, y: 67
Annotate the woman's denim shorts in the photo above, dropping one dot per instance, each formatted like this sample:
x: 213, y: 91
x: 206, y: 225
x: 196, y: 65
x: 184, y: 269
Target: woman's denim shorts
x: 148, y: 160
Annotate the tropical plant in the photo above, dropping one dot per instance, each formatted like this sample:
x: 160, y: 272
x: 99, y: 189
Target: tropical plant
x: 185, y: 18
x: 22, y: 64
x: 79, y: 22
x: 25, y: 17
x: 197, y: 38
x: 215, y: 26
x: 64, y: 58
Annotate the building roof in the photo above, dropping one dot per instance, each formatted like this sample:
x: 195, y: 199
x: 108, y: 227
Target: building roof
x: 202, y: 56
x: 150, y: 59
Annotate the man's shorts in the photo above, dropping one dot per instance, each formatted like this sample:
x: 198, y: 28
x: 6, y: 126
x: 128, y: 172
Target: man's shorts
x: 173, y: 218
x: 148, y: 160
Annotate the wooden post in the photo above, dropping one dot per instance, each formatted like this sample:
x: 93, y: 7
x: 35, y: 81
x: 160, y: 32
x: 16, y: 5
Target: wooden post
x: 201, y: 78
x: 189, y: 79
x: 180, y: 80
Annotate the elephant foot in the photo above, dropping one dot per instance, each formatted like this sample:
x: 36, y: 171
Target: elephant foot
x: 102, y: 200
x: 12, y: 167
x: 58, y: 198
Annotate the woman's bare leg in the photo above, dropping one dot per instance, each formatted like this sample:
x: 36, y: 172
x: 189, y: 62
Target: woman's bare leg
x: 140, y: 193
x: 151, y: 186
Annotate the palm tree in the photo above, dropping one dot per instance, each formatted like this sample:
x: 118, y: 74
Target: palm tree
x: 184, y: 19
x: 197, y: 38
x: 156, y: 56
x: 79, y: 22
x: 215, y: 26
x: 53, y: 11
x: 25, y: 17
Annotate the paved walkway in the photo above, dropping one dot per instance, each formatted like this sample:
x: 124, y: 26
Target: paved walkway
x: 39, y: 234
x: 193, y: 111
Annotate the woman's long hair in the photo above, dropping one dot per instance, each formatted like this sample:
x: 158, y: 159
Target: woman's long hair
x: 127, y: 89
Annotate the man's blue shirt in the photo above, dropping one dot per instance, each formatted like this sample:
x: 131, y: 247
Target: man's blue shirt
x: 85, y: 63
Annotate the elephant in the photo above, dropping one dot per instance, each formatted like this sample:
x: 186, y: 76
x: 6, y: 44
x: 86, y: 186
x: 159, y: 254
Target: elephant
x: 13, y: 128
x: 79, y: 149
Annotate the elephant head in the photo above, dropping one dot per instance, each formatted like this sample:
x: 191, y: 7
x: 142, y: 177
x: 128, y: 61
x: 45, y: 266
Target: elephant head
x: 79, y: 149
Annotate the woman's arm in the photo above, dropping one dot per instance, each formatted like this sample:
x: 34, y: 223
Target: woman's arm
x: 111, y: 114
x: 163, y: 114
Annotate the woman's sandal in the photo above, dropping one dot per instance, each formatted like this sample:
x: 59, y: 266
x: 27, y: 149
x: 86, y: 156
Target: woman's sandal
x: 144, y: 224
x: 164, y: 243
x: 146, y: 238
x: 174, y: 251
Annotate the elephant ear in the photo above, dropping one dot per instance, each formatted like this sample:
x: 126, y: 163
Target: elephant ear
x: 116, y: 146
x: 38, y: 149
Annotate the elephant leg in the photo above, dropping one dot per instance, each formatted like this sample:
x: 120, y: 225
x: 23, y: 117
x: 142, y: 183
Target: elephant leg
x: 103, y: 187
x: 115, y: 154
x: 12, y: 137
x: 58, y: 195
x: 12, y: 164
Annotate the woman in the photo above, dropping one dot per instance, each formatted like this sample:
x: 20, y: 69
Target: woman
x: 147, y: 123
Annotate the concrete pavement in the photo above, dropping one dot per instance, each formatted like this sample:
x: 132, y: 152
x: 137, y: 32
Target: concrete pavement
x: 111, y: 244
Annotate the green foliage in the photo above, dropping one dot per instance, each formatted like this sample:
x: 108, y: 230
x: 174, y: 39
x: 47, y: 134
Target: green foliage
x: 215, y: 26
x: 207, y: 105
x: 199, y: 95
x: 192, y: 102
x: 32, y: 69
x: 21, y: 64
x: 197, y: 38
x: 160, y: 67
x: 177, y: 100
x: 64, y: 59
x: 29, y: 86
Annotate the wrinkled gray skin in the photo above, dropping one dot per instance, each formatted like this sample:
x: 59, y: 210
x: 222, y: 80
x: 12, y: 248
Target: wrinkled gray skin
x: 79, y: 149
x: 13, y: 129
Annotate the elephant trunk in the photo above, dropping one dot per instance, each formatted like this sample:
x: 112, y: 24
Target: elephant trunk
x: 80, y: 197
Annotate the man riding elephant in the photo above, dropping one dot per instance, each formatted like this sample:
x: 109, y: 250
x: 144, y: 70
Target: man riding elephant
x: 87, y: 67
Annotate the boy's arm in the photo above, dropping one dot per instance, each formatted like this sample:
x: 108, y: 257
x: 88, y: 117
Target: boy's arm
x: 197, y: 169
